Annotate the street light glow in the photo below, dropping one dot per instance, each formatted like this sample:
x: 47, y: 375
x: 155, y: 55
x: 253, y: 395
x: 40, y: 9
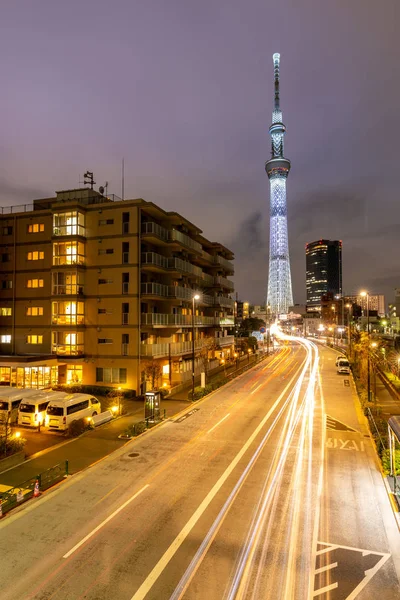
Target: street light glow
x: 363, y: 293
x: 196, y: 297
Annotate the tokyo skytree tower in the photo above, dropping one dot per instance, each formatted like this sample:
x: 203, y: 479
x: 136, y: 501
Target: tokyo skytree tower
x: 279, y: 280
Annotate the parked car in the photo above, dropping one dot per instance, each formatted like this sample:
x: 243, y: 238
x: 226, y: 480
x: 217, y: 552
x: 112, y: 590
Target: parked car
x: 343, y: 367
x: 338, y: 358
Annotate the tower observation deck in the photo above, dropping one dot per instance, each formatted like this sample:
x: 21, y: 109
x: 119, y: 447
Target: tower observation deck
x: 279, y: 295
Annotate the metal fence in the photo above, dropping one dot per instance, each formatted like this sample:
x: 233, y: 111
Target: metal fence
x: 26, y: 490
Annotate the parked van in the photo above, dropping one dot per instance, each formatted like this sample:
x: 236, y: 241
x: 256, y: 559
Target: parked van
x: 32, y: 410
x: 60, y: 413
x: 10, y: 399
x: 343, y: 366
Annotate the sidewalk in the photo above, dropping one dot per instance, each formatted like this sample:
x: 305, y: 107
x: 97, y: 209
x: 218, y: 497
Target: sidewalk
x: 83, y: 451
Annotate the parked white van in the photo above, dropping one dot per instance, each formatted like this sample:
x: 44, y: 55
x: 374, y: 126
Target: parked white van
x: 32, y: 410
x: 60, y: 413
x: 10, y: 399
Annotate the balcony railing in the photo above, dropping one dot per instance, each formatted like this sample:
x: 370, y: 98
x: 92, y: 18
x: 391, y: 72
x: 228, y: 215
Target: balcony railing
x: 68, y: 349
x: 154, y: 289
x: 222, y: 301
x: 68, y: 319
x: 156, y: 230
x: 208, y: 280
x: 207, y: 256
x: 157, y: 319
x: 69, y: 230
x: 173, y: 349
x: 183, y: 266
x: 226, y: 264
x: 181, y: 293
x: 151, y: 258
x: 228, y: 340
x: 68, y: 259
x: 72, y: 289
x: 185, y: 240
x: 223, y: 282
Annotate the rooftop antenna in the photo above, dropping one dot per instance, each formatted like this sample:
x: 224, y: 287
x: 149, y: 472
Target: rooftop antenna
x: 103, y: 189
x: 123, y: 180
x: 88, y: 179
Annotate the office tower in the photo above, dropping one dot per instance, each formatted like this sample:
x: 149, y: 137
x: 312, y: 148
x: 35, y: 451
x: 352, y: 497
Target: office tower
x: 323, y: 270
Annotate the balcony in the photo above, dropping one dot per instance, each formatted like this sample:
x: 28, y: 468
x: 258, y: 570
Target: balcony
x: 67, y: 349
x: 225, y: 264
x: 170, y: 320
x: 224, y: 283
x: 154, y: 289
x: 222, y: 301
x: 184, y: 240
x: 183, y: 266
x: 173, y: 349
x: 181, y: 293
x: 69, y: 224
x: 228, y: 340
x: 154, y: 262
x: 69, y: 230
x: 154, y: 232
x: 208, y: 280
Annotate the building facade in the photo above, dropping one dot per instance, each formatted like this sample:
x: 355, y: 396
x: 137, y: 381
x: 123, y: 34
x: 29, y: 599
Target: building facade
x: 376, y: 302
x: 92, y: 288
x: 323, y: 271
x: 279, y: 296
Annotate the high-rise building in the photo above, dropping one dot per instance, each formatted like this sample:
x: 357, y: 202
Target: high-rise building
x: 376, y: 302
x: 323, y: 271
x: 92, y: 287
x: 279, y: 295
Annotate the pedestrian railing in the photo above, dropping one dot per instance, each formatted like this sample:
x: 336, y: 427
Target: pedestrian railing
x: 32, y: 487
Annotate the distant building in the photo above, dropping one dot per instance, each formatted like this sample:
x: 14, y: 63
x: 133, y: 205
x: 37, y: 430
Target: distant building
x: 323, y: 270
x: 376, y: 302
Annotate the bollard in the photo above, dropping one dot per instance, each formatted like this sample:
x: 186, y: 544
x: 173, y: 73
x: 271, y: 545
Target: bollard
x: 66, y: 467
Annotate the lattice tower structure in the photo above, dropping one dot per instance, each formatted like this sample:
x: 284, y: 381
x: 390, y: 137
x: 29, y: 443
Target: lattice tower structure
x: 279, y: 295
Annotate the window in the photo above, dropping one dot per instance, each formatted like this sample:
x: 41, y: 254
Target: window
x: 74, y: 374
x: 34, y: 311
x: 68, y: 313
x: 104, y: 341
x: 69, y: 223
x: 35, y: 255
x: 106, y: 251
x: 106, y: 221
x: 36, y: 228
x: 125, y: 252
x: 125, y: 313
x: 5, y: 311
x: 35, y: 283
x: 67, y: 283
x: 34, y: 339
x: 68, y: 343
x: 108, y: 375
x: 68, y: 253
x: 125, y: 283
x: 5, y: 258
x: 125, y: 222
x: 7, y: 230
x: 125, y: 344
x: 101, y: 281
x: 77, y: 407
x: 104, y: 311
x: 5, y: 339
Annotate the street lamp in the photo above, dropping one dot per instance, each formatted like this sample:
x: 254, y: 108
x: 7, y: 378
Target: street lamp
x: 366, y: 295
x: 195, y: 297
x: 349, y: 316
x: 248, y: 354
x: 237, y: 359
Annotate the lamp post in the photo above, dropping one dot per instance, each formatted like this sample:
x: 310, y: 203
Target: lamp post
x: 196, y: 297
x: 374, y: 345
x: 349, y: 317
x: 366, y: 295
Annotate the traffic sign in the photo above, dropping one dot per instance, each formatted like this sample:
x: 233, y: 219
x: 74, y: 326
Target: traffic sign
x: 262, y: 330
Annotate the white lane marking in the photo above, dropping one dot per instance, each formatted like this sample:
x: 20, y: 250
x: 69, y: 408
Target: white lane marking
x: 219, y: 422
x: 79, y: 544
x: 325, y: 589
x: 322, y: 569
x: 254, y: 391
x: 180, y: 538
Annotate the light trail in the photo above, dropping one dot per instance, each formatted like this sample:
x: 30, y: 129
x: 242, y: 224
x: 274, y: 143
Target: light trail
x: 292, y: 460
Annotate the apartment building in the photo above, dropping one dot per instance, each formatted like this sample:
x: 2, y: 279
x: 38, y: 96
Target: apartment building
x: 93, y: 287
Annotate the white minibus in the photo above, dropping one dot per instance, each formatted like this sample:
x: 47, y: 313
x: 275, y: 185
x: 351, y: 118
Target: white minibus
x: 60, y: 413
x: 32, y: 410
x: 10, y: 399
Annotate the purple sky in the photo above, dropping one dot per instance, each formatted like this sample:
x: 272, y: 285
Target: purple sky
x: 184, y: 91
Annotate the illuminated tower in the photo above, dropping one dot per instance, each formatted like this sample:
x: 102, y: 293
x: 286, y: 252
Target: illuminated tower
x: 277, y: 168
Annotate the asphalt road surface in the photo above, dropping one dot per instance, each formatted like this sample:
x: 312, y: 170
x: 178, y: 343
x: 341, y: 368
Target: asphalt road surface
x: 267, y: 489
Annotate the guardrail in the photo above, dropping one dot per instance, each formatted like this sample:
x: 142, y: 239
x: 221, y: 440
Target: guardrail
x: 26, y: 490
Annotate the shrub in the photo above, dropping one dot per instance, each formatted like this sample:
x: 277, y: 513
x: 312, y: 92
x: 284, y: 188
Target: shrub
x: 386, y: 461
x: 12, y: 446
x: 77, y: 427
x: 96, y: 390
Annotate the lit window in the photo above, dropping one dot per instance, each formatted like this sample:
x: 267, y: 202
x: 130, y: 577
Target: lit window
x: 5, y: 311
x: 36, y: 228
x: 35, y: 283
x: 5, y: 339
x: 34, y: 339
x: 34, y: 311
x: 35, y: 255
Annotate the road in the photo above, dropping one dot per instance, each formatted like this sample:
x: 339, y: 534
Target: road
x: 266, y: 489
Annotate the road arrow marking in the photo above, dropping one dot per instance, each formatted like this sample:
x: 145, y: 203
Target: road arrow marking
x: 336, y: 425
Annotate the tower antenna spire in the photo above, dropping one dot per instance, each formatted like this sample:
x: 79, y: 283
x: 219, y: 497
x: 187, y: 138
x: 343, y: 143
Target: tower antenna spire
x: 276, y: 58
x: 279, y: 279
